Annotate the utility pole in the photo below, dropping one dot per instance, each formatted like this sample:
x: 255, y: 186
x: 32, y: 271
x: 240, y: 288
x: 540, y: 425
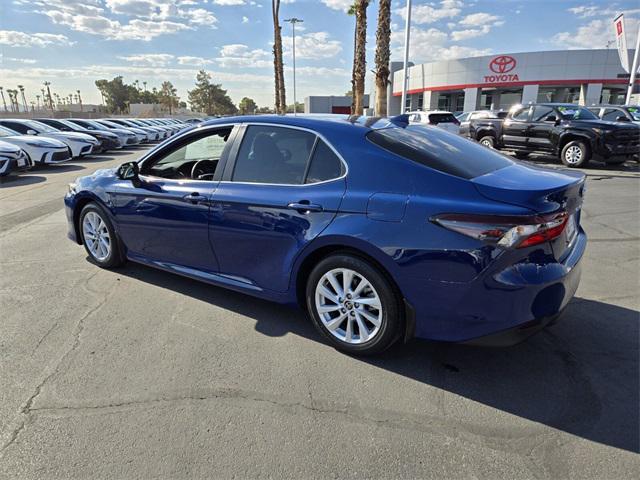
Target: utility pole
x: 293, y: 22
x: 4, y: 103
x: 405, y: 73
x: 634, y: 68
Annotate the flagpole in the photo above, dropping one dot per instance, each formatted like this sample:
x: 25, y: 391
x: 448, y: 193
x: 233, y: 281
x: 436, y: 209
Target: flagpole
x: 634, y: 68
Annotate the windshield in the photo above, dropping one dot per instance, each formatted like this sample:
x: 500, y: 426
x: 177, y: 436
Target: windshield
x: 7, y: 132
x: 111, y: 124
x: 634, y: 112
x: 40, y: 127
x: 439, y: 150
x: 71, y: 125
x: 94, y: 124
x: 576, y: 113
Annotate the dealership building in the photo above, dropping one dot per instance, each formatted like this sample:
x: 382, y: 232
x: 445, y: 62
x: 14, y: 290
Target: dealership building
x: 498, y: 81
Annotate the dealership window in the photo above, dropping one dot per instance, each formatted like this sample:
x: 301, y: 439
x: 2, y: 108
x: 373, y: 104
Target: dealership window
x: 420, y: 101
x: 273, y: 155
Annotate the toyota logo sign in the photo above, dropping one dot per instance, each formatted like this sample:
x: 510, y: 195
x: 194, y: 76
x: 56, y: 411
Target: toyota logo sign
x: 502, y: 64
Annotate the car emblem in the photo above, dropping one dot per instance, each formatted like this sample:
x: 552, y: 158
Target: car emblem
x: 502, y: 64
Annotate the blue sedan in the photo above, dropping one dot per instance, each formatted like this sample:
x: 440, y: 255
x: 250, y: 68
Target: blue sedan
x: 382, y: 230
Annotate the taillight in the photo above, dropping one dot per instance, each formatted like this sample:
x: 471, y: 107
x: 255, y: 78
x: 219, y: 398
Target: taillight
x: 508, y: 232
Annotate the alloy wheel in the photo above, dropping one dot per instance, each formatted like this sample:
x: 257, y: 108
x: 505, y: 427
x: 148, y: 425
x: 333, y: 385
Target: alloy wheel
x: 573, y: 155
x: 96, y: 236
x: 348, y: 306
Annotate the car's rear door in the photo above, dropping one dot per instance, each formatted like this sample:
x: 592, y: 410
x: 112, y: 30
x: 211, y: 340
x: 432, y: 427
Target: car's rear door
x: 282, y: 186
x: 542, y: 129
x: 514, y: 128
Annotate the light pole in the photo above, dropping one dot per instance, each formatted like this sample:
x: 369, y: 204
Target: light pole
x: 293, y: 22
x: 405, y: 73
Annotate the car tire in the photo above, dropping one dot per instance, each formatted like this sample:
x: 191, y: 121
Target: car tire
x: 99, y: 237
x: 347, y: 322
x: 575, y: 154
x: 488, y: 141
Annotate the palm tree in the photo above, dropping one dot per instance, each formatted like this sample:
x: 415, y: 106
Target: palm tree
x: 383, y: 54
x: 4, y: 102
x: 24, y: 100
x: 278, y: 66
x: 79, y: 99
x: 359, y: 9
x: 145, y: 85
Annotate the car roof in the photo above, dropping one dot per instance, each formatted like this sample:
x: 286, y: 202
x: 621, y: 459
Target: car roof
x: 318, y: 122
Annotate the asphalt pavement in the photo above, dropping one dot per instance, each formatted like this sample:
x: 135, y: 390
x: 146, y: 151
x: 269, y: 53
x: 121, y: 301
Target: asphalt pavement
x: 138, y: 373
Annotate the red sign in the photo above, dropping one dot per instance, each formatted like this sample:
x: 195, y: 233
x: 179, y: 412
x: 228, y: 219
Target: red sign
x: 619, y: 27
x: 502, y: 64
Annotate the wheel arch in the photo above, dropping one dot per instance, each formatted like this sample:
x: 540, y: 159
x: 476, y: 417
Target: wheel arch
x: 485, y: 132
x: 84, y: 199
x: 322, y: 248
x: 570, y: 136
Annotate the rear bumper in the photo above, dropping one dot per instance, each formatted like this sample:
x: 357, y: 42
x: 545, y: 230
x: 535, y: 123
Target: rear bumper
x: 499, y: 308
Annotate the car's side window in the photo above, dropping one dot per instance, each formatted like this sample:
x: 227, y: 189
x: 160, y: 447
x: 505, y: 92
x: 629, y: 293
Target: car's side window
x: 540, y: 112
x: 197, y: 159
x: 325, y: 164
x: 18, y: 127
x: 273, y: 155
x: 521, y: 115
x: 612, y: 114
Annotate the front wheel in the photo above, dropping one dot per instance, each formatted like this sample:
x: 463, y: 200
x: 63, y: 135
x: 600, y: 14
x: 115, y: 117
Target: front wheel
x: 575, y: 154
x: 99, y: 237
x: 353, y: 305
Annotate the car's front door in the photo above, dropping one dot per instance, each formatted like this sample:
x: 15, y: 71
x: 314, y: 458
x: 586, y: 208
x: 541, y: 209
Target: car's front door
x: 514, y: 129
x: 542, y: 128
x: 165, y: 218
x: 281, y: 188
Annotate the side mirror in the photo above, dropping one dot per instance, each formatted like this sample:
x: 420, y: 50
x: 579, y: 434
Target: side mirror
x: 551, y: 118
x: 622, y: 118
x: 31, y: 132
x: 130, y: 171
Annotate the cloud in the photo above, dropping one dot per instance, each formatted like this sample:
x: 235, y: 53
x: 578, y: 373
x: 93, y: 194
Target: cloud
x: 477, y: 19
x: 314, y: 45
x: 240, y: 55
x: 425, y: 14
x: 343, y: 5
x: 598, y: 33
x: 149, y: 59
x: 194, y: 61
x: 28, y: 61
x: 430, y: 44
x: 13, y: 38
x: 459, y: 35
x: 229, y: 2
x: 245, y: 19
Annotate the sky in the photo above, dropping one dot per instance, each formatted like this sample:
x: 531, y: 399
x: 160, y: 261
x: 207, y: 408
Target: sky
x: 72, y: 43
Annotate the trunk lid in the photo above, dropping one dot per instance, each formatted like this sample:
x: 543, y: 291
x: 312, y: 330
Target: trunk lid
x: 543, y: 191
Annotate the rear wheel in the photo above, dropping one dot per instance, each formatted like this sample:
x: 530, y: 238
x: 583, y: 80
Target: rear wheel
x: 99, y: 237
x: 353, y: 305
x: 488, y: 141
x: 575, y: 154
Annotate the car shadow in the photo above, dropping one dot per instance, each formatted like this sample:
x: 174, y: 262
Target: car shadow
x: 57, y: 168
x: 19, y: 179
x: 580, y: 376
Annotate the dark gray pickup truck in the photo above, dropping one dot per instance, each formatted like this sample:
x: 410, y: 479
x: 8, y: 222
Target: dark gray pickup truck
x: 570, y: 132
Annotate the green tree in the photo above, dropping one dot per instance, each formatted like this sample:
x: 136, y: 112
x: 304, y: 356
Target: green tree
x: 264, y: 110
x: 210, y: 98
x: 116, y: 94
x: 299, y: 107
x: 168, y: 96
x: 247, y: 106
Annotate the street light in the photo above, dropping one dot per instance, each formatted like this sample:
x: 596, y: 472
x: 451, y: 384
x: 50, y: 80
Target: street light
x: 293, y: 22
x: 405, y: 73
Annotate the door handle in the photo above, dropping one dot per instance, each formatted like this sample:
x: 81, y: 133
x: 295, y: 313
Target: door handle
x: 195, y: 198
x: 304, y: 206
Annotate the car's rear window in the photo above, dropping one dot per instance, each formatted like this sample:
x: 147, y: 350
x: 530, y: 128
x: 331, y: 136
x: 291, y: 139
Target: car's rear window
x: 436, y: 118
x: 440, y: 150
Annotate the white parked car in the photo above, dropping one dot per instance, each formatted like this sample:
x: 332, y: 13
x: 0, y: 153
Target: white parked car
x: 141, y: 135
x: 80, y: 144
x: 12, y: 158
x: 39, y: 149
x: 438, y: 118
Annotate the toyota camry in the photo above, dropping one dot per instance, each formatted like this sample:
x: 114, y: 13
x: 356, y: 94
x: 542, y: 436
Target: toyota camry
x: 381, y: 230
